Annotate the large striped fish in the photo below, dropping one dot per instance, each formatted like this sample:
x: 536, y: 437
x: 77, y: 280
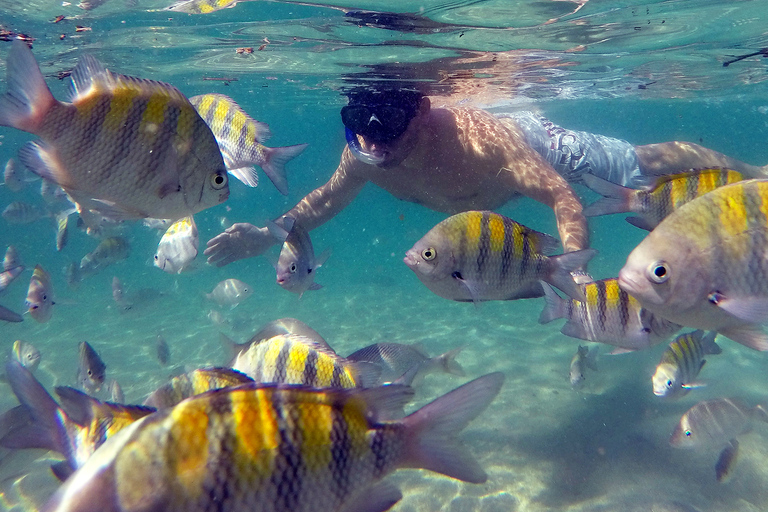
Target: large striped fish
x: 241, y: 139
x: 124, y: 148
x: 295, y: 359
x: 607, y: 315
x: 681, y: 363
x: 481, y: 255
x: 705, y: 265
x: 273, y: 448
x: 654, y: 202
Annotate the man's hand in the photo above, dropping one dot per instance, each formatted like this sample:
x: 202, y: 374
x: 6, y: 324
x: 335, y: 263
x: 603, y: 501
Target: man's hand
x: 242, y: 240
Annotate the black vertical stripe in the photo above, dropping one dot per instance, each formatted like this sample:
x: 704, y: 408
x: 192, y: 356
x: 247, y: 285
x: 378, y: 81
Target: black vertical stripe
x: 508, y: 247
x: 379, y: 450
x: 341, y: 447
x: 219, y: 463
x: 601, y: 305
x: 289, y: 470
x: 338, y: 370
x: 483, y: 244
x: 525, y: 257
x: 123, y: 143
x: 623, y: 310
x: 310, y: 369
x: 757, y: 224
x: 281, y: 363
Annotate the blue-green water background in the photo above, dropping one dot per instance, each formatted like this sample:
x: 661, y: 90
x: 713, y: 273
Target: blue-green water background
x: 545, y: 446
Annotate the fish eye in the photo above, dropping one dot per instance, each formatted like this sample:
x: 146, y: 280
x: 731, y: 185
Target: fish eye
x: 669, y: 383
x: 90, y: 373
x: 293, y: 267
x: 219, y: 180
x: 428, y: 253
x: 688, y: 433
x: 658, y: 272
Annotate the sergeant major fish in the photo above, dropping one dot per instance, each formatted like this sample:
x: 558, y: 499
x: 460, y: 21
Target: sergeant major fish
x: 296, y: 264
x: 91, y: 370
x: 309, y: 450
x: 608, y: 315
x: 654, y: 202
x: 396, y: 359
x: 583, y: 358
x: 193, y: 383
x: 178, y: 246
x: 26, y: 354
x: 125, y: 147
x: 12, y: 176
x: 12, y: 268
x: 715, y: 422
x: 681, y: 363
x: 201, y: 6
x: 295, y: 359
x: 109, y: 251
x: 480, y: 255
x: 704, y: 265
x: 277, y: 327
x: 39, y: 300
x: 241, y: 141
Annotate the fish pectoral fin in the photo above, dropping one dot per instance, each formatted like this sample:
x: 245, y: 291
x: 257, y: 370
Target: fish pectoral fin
x: 751, y: 336
x: 37, y: 157
x: 750, y: 309
x: 377, y: 498
x: 471, y: 288
x: 693, y: 385
x: 620, y: 350
x: 320, y: 260
x: 315, y: 286
x: 640, y: 222
x: 114, y: 211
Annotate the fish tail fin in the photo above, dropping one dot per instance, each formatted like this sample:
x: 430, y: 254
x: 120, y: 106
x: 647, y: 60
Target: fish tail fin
x: 555, y: 307
x: 560, y: 277
x: 28, y: 99
x: 617, y: 199
x: 274, y: 164
x: 430, y: 433
x: 46, y: 426
x: 709, y: 345
x: 448, y: 364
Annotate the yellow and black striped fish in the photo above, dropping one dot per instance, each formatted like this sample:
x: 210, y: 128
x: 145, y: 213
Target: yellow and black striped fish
x: 608, y: 315
x: 665, y: 195
x: 201, y: 6
x: 278, y: 448
x: 704, y: 266
x: 241, y: 139
x: 296, y: 359
x: 681, y: 363
x: 76, y: 429
x: 481, y: 255
x: 193, y: 383
x: 124, y: 148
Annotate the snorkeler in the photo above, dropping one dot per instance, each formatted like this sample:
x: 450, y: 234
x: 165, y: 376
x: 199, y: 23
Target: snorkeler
x: 456, y: 159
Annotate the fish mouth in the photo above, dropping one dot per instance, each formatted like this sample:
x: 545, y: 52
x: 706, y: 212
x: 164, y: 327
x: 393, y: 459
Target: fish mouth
x: 410, y: 260
x: 627, y: 281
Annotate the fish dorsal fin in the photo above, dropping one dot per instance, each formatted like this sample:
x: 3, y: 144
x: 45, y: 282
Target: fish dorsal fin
x: 90, y: 76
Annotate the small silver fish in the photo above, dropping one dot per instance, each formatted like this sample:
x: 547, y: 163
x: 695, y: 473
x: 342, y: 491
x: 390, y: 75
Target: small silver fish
x: 481, y: 255
x: 19, y: 212
x: 72, y: 275
x: 11, y: 259
x: 681, y: 363
x: 118, y: 295
x: 116, y: 395
x: 583, y: 359
x: 124, y: 147
x: 715, y: 422
x: 296, y: 264
x: 53, y: 194
x: 91, y: 370
x: 26, y: 354
x: 396, y: 360
x: 109, y: 251
x: 230, y: 292
x: 178, y: 246
x: 12, y: 176
x: 240, y: 140
x: 40, y: 295
x: 163, y: 350
x: 7, y: 315
x: 8, y: 276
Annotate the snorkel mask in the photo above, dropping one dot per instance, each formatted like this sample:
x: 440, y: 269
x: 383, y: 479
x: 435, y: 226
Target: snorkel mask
x: 380, y: 116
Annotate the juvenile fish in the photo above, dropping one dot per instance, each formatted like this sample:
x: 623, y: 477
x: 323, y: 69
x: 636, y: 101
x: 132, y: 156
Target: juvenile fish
x: 124, y: 148
x: 296, y: 264
x: 608, y: 315
x: 583, y: 358
x: 715, y: 422
x: 163, y: 350
x: 12, y: 176
x: 75, y: 429
x: 26, y: 354
x: 681, y: 363
x: 116, y: 395
x: 654, y: 202
x: 9, y: 275
x: 39, y: 300
x: 7, y: 315
x: 193, y: 383
x: 109, y: 251
x: 241, y: 139
x: 19, y: 212
x: 396, y: 359
x: 118, y: 295
x: 294, y: 359
x: 278, y: 448
x: 178, y: 246
x: 704, y: 266
x: 91, y: 370
x: 481, y: 255
x: 230, y: 292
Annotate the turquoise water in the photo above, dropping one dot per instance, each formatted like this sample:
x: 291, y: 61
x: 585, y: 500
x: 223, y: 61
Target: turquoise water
x: 545, y: 446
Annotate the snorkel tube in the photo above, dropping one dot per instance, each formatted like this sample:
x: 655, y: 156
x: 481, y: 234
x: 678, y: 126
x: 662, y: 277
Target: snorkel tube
x: 359, y: 152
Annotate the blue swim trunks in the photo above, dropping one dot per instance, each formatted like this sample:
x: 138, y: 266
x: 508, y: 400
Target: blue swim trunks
x: 574, y: 154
